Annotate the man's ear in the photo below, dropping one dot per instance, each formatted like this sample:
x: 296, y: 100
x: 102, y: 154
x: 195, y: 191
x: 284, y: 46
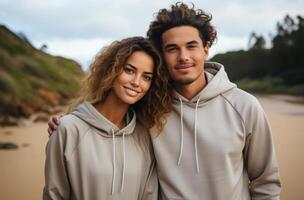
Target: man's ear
x: 206, y: 51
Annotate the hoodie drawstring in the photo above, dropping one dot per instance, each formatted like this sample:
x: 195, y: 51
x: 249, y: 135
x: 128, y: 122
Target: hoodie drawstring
x: 114, y: 162
x: 123, y: 164
x: 182, y: 135
x: 195, y: 137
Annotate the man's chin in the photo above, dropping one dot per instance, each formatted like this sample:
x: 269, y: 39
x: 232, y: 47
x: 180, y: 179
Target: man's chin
x: 184, y: 81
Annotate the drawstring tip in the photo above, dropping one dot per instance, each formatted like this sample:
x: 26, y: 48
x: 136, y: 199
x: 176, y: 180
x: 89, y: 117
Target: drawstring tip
x: 179, y: 161
x: 197, y: 169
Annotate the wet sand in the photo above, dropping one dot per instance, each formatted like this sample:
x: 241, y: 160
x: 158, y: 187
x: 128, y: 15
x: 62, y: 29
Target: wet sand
x: 287, y: 122
x: 21, y: 170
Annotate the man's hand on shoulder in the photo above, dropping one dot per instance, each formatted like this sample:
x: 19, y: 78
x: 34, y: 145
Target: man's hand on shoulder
x: 53, y: 123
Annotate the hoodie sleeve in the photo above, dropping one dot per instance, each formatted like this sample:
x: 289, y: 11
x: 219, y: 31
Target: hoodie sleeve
x: 259, y: 155
x: 151, y: 186
x: 56, y: 179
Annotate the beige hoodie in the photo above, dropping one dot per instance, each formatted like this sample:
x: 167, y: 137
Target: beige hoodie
x: 89, y: 158
x: 217, y: 146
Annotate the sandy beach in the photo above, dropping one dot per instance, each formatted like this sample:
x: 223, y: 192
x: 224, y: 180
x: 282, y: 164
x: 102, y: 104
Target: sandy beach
x: 21, y: 170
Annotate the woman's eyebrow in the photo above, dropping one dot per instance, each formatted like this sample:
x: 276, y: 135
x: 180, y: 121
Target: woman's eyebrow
x: 133, y: 67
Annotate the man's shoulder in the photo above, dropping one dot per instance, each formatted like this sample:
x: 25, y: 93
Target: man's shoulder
x: 240, y: 98
x: 245, y: 104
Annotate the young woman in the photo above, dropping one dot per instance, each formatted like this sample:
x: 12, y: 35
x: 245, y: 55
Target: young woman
x: 102, y: 149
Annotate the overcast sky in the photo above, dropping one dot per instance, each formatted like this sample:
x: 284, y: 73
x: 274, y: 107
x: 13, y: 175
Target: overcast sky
x: 78, y: 29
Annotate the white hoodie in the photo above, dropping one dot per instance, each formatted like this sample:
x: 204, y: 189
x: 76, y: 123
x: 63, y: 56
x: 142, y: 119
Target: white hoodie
x: 89, y: 158
x: 217, y: 146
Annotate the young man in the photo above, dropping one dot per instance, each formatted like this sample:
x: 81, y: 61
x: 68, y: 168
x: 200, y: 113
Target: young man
x: 217, y: 143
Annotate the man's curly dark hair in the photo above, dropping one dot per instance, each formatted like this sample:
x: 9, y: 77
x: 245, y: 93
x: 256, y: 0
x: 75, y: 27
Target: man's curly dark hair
x: 181, y: 15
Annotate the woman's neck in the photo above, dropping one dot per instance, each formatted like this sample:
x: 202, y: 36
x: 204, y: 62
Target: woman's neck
x: 113, y: 109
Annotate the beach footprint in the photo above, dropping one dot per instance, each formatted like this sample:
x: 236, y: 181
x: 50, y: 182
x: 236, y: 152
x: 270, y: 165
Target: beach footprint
x: 26, y: 144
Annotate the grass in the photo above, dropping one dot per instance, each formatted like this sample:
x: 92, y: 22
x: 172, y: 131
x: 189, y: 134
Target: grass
x: 24, y: 70
x: 270, y: 85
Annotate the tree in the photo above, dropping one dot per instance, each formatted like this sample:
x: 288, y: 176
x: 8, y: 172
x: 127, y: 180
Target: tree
x: 256, y: 42
x: 287, y: 50
x: 43, y: 47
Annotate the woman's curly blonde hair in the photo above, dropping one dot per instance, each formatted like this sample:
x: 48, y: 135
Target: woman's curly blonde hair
x: 108, y: 65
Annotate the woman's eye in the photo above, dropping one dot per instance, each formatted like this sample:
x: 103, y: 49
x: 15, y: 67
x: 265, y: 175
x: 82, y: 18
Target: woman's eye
x: 147, y: 78
x: 129, y: 71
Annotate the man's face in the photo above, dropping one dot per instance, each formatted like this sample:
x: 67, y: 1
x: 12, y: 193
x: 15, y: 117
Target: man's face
x: 184, y: 54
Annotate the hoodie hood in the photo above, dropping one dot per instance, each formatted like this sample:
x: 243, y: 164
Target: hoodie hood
x: 218, y: 83
x: 88, y: 113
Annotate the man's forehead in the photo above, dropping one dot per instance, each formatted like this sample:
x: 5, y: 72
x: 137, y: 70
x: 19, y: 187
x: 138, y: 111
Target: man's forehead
x: 180, y: 35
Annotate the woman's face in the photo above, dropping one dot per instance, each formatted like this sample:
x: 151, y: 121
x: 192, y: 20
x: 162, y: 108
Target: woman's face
x: 136, y: 78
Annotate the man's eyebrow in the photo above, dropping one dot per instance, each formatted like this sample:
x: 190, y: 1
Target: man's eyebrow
x: 192, y: 42
x: 188, y: 43
x: 169, y: 45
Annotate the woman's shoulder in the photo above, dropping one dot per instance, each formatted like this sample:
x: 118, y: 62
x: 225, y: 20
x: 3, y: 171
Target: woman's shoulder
x: 71, y: 120
x: 71, y: 124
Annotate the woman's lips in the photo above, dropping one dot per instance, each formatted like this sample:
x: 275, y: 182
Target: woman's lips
x: 131, y: 92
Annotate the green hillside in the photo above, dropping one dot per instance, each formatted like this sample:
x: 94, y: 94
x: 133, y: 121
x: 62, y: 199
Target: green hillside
x: 32, y: 80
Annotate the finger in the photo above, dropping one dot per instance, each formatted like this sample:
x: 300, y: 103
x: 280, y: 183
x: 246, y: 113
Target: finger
x: 49, y: 132
x: 52, y: 125
x: 56, y: 120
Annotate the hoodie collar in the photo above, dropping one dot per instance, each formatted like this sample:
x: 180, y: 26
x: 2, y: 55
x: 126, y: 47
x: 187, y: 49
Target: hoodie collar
x: 218, y: 83
x: 88, y: 113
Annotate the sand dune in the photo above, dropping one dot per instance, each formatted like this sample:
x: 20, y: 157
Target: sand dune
x: 21, y: 170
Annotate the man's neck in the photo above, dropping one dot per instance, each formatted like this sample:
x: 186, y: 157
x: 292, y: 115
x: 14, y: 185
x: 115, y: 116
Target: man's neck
x: 191, y: 90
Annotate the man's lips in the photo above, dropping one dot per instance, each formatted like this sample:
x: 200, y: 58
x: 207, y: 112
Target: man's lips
x: 183, y: 66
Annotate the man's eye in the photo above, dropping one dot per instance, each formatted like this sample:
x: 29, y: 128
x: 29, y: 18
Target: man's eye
x: 171, y: 49
x: 192, y: 46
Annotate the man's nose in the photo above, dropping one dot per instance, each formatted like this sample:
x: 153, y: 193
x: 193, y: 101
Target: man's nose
x: 183, y: 55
